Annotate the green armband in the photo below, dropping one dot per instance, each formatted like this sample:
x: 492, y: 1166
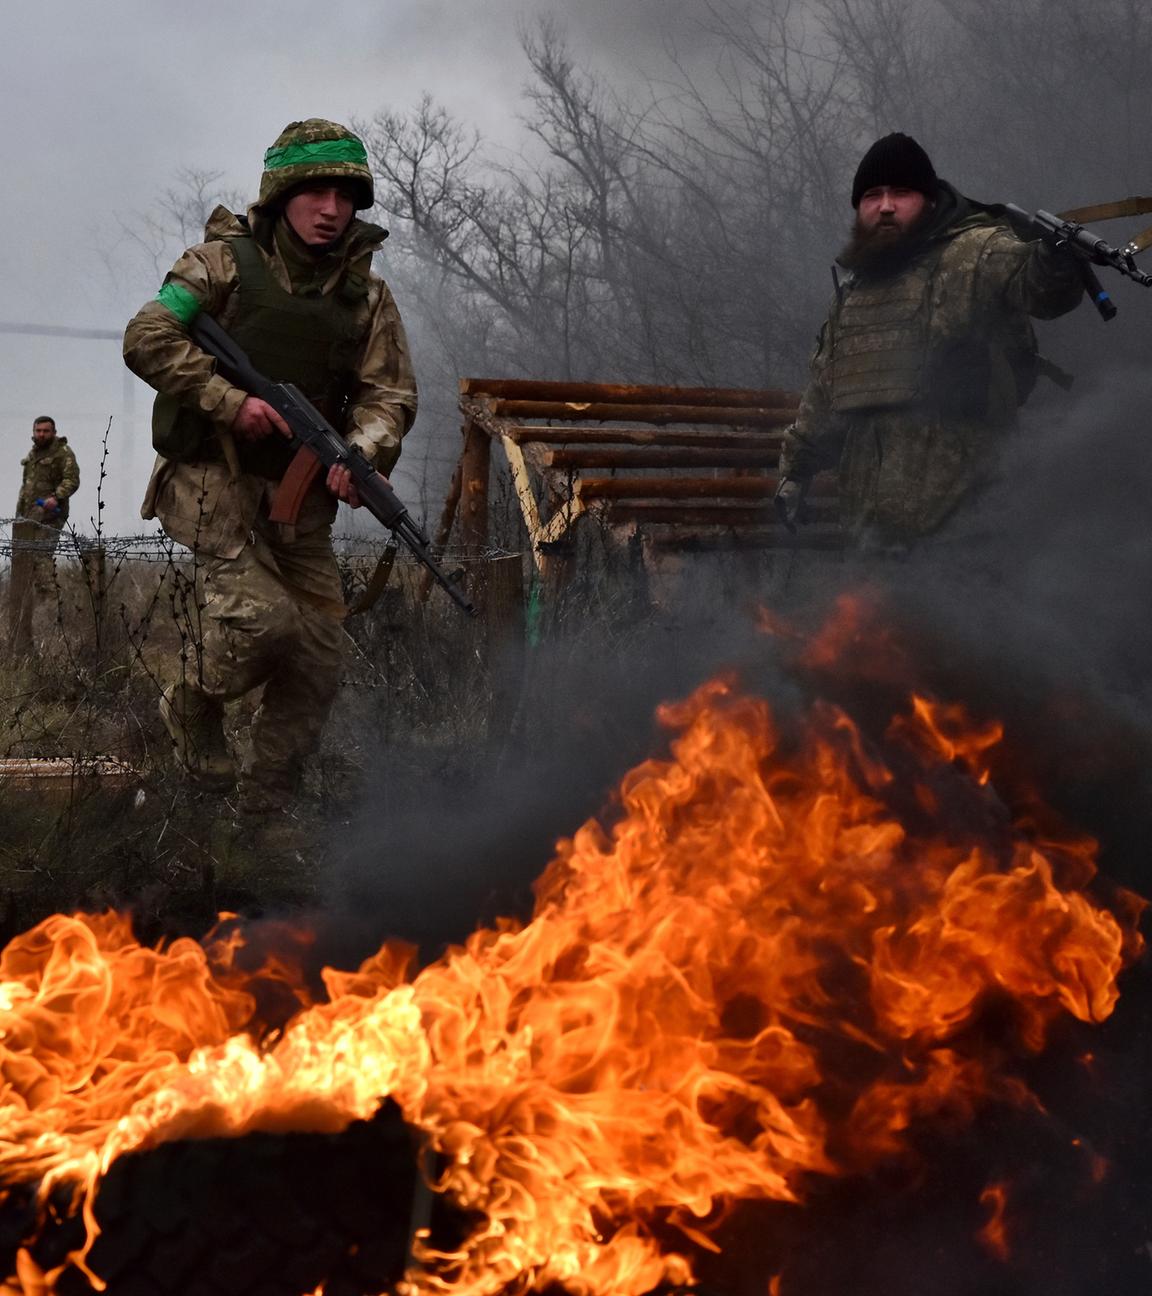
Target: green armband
x: 185, y: 305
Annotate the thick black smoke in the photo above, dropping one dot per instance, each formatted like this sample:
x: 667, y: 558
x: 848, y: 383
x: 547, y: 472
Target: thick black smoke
x: 1031, y: 608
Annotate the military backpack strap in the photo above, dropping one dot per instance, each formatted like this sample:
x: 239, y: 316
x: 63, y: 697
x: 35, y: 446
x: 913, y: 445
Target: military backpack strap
x: 354, y: 287
x: 249, y: 263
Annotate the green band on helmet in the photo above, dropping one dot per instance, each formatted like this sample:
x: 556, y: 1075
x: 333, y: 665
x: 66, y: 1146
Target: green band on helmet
x: 308, y: 154
x: 184, y: 304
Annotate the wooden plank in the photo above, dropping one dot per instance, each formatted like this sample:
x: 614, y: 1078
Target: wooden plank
x: 624, y: 394
x: 59, y: 773
x: 695, y: 516
x: 670, y: 457
x: 522, y: 483
x: 719, y: 515
x: 529, y: 434
x: 597, y: 412
x: 561, y: 521
x: 820, y: 539
x: 478, y: 413
x: 639, y: 488
x: 504, y: 606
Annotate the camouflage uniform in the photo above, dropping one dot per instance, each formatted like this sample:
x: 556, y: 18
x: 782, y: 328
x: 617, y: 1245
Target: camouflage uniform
x: 271, y: 591
x: 917, y: 377
x: 49, y: 470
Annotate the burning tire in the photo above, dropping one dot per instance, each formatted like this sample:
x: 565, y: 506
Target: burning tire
x: 265, y: 1215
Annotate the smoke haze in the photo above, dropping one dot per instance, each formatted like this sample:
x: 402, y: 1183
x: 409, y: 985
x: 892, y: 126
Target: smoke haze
x: 114, y: 100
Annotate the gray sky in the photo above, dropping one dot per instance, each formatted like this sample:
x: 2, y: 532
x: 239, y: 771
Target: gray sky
x: 106, y: 102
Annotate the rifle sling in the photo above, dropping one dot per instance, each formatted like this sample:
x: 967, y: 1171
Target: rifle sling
x: 293, y: 486
x: 1139, y: 206
x: 1109, y: 210
x: 375, y: 587
x: 1141, y: 241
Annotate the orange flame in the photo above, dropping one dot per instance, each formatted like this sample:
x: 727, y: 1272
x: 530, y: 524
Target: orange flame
x: 994, y: 1233
x: 761, y: 972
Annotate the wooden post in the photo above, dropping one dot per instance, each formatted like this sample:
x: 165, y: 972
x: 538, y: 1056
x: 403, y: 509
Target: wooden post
x: 21, y: 593
x: 504, y: 611
x: 556, y: 558
x: 474, y: 468
x: 475, y: 465
x: 504, y: 606
x: 94, y: 565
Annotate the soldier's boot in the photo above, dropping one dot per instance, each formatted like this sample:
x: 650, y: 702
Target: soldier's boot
x: 195, y: 723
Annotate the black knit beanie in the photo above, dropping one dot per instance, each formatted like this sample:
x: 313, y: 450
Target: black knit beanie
x: 898, y: 162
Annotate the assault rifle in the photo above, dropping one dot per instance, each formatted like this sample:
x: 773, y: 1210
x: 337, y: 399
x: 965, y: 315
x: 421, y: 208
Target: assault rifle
x: 1091, y: 250
x: 312, y: 430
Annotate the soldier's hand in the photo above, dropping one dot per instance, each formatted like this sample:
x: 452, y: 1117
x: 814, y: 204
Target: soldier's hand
x: 339, y: 482
x: 50, y: 504
x: 789, y: 501
x: 256, y: 419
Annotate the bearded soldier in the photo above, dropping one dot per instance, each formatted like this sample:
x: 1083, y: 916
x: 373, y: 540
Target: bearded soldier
x: 292, y: 283
x: 51, y: 477
x: 926, y: 355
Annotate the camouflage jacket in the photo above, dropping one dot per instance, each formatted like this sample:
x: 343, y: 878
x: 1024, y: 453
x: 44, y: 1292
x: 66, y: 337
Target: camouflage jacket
x: 51, y: 470
x: 202, y: 505
x: 904, y: 467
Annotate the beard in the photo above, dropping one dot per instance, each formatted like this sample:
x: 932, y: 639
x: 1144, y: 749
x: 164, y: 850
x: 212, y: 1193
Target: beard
x: 886, y: 248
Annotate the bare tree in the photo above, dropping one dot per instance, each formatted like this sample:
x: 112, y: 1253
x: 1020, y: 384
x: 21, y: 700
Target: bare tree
x: 681, y: 231
x: 176, y: 220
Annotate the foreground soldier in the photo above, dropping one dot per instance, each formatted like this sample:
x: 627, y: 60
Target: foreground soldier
x: 926, y: 355
x: 50, y: 477
x: 292, y: 283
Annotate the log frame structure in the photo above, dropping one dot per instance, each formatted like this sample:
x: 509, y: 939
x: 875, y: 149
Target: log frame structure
x: 693, y: 466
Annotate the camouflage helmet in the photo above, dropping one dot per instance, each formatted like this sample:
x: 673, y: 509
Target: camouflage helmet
x: 314, y: 150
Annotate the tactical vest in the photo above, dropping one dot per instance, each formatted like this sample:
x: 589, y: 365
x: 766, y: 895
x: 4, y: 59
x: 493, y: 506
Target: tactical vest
x: 880, y: 351
x: 309, y: 340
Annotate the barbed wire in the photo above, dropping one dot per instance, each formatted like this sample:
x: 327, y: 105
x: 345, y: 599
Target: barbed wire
x: 158, y: 548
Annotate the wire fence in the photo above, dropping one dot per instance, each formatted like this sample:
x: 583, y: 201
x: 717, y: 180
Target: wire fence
x: 44, y: 539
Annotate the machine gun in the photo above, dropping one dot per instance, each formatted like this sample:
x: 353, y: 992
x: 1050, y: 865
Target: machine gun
x: 1089, y: 248
x: 311, y: 430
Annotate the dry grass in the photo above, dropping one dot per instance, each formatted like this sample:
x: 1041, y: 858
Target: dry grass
x: 419, y: 678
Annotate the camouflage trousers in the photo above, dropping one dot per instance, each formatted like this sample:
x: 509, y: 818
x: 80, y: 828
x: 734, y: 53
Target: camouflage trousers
x: 273, y: 621
x: 31, y: 576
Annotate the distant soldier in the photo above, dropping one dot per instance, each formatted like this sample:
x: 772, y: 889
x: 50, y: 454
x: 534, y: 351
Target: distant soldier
x: 926, y: 355
x: 50, y: 478
x: 292, y: 283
